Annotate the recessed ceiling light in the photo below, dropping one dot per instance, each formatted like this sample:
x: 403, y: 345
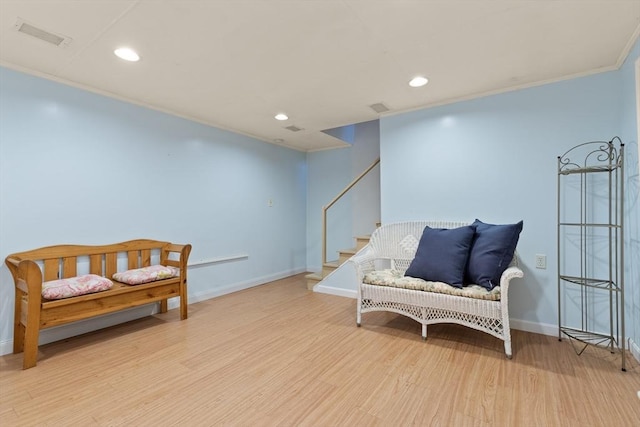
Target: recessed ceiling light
x: 418, y: 81
x: 127, y: 54
x: 281, y: 116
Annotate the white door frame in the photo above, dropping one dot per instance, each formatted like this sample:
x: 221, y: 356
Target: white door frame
x: 638, y: 108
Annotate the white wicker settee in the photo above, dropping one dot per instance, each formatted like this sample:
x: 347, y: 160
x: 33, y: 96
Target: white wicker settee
x: 383, y: 262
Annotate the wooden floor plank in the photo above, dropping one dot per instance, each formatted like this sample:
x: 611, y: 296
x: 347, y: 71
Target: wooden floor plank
x: 278, y: 354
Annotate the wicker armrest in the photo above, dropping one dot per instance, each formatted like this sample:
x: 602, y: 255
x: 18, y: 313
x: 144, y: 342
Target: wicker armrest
x: 506, y: 277
x: 363, y: 262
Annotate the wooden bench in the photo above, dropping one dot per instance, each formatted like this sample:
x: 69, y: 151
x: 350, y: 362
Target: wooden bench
x: 31, y: 268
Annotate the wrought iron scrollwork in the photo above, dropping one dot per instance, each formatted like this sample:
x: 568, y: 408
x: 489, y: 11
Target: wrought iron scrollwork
x: 595, y: 155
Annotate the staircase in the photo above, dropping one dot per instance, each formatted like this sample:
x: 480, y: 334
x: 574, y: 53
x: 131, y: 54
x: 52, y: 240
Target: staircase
x: 343, y: 255
x: 330, y: 266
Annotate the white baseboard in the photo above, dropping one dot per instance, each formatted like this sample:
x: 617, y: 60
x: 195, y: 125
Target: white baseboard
x: 6, y: 347
x: 61, y: 332
x: 323, y: 289
x: 634, y: 348
x: 536, y: 328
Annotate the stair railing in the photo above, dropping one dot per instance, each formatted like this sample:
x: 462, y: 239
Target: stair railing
x: 335, y: 199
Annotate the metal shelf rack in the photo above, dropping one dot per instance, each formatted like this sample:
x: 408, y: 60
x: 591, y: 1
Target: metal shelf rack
x: 591, y: 245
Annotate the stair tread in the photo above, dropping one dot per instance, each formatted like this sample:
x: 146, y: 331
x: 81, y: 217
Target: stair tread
x: 332, y: 264
x: 313, y: 276
x: 348, y: 251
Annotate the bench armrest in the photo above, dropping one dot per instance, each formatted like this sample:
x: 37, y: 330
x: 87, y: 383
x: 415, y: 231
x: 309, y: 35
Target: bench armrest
x: 183, y: 259
x: 27, y: 276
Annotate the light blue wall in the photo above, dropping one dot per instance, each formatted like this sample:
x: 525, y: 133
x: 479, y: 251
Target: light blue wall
x: 494, y: 159
x: 76, y: 167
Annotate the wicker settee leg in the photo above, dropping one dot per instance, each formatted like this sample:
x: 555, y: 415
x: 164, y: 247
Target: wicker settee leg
x: 424, y: 331
x: 507, y: 349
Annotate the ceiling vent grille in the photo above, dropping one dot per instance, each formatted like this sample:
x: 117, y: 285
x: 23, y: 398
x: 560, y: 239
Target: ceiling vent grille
x: 55, y: 39
x: 379, y: 107
x: 293, y: 128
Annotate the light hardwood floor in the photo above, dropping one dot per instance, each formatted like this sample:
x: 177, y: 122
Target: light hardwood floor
x: 280, y: 355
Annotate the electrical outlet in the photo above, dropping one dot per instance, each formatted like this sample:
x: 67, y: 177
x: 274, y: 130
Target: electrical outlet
x: 270, y: 203
x: 541, y: 261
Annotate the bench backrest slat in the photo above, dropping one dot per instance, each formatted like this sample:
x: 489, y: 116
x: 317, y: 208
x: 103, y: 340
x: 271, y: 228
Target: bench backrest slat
x: 69, y: 267
x: 95, y: 264
x: 145, y: 258
x: 133, y: 259
x: 51, y: 269
x: 111, y: 264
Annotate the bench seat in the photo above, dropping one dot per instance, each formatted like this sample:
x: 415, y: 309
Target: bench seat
x: 120, y: 296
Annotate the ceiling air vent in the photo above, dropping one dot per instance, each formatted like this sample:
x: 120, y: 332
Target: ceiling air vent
x: 55, y: 39
x: 293, y: 128
x: 379, y: 107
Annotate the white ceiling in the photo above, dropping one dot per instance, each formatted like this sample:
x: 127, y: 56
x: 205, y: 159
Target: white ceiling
x: 234, y: 64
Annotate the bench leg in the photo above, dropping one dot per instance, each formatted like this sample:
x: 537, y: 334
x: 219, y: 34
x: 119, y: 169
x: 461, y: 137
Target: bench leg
x: 163, y: 306
x: 30, y: 356
x: 18, y: 327
x: 30, y: 323
x: 31, y: 335
x: 183, y: 308
x: 18, y: 338
x: 183, y: 301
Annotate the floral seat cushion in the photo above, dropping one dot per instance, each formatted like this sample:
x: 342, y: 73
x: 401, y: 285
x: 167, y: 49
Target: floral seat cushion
x: 74, y: 286
x: 396, y: 279
x: 146, y: 274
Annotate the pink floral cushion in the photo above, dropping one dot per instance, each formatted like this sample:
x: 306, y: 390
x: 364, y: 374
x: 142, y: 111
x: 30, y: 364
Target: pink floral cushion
x: 146, y: 274
x: 74, y: 286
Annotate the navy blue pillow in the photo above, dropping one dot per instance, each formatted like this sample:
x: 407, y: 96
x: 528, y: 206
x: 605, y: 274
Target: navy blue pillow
x: 491, y: 252
x: 442, y: 255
